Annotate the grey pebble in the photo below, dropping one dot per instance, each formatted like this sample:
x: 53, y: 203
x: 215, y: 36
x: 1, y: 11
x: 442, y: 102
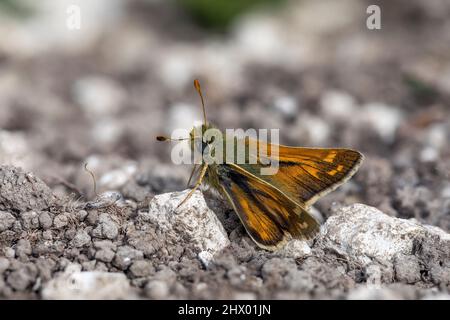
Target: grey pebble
x: 60, y: 221
x: 30, y: 220
x: 81, y: 239
x: 23, y: 277
x: 23, y: 248
x: 88, y: 265
x: 141, y: 268
x: 106, y: 228
x: 81, y: 215
x: 9, y: 252
x: 4, y: 264
x: 157, y: 289
x: 45, y: 220
x: 6, y: 220
x: 104, y: 255
x: 125, y: 256
x: 407, y: 268
x: 92, y: 217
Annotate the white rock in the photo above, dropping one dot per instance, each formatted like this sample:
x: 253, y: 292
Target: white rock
x: 337, y: 104
x: 205, y: 258
x: 183, y: 116
x: 295, y: 249
x: 286, y: 105
x: 318, y: 130
x: 73, y: 284
x: 193, y: 224
x: 99, y: 96
x: 15, y: 150
x: 383, y: 118
x: 365, y: 233
x: 176, y: 67
x: 117, y: 178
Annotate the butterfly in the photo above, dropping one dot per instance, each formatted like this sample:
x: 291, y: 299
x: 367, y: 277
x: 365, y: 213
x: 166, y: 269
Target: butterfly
x: 272, y: 208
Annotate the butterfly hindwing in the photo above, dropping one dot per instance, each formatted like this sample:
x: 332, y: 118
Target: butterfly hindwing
x: 269, y: 217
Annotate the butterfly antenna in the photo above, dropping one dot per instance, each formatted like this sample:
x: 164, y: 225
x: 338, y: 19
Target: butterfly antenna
x: 93, y: 178
x: 164, y: 138
x: 199, y: 90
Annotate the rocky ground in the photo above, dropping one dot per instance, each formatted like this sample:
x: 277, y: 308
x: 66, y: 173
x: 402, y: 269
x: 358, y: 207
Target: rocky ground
x: 312, y: 69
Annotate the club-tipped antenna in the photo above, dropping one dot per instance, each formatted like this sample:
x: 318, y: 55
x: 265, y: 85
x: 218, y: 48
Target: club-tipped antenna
x: 164, y: 138
x: 93, y: 178
x: 199, y: 90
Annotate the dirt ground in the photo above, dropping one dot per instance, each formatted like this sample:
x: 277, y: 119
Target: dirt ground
x: 312, y: 69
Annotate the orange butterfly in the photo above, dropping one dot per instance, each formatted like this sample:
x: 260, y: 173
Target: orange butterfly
x: 273, y: 208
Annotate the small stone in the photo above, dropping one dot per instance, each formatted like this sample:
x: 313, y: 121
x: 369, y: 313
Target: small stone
x: 4, y: 264
x: 157, y: 289
x: 81, y: 215
x: 81, y: 239
x: 23, y: 277
x: 104, y: 244
x: 101, y: 266
x: 295, y: 249
x: 205, y: 258
x: 6, y: 220
x: 17, y: 227
x: 193, y: 223
x: 407, y: 268
x: 60, y: 221
x: 45, y: 220
x: 9, y: 252
x: 45, y: 267
x: 106, y: 228
x: 30, y: 220
x: 125, y: 256
x: 105, y: 255
x: 141, y: 268
x: 23, y: 248
x: 92, y: 217
x: 70, y: 233
x: 47, y: 235
x: 88, y: 285
x: 88, y: 265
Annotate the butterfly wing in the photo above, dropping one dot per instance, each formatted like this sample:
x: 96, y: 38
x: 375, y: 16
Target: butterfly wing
x: 269, y: 217
x: 305, y: 174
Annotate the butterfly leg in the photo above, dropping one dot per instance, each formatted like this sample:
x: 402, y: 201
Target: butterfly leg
x: 197, y: 184
x: 192, y: 174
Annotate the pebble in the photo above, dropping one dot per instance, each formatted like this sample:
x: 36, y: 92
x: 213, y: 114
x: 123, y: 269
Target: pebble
x: 105, y: 255
x: 60, y: 221
x: 157, y: 289
x: 9, y: 252
x: 81, y: 215
x: 23, y: 277
x: 23, y: 248
x: 92, y: 217
x: 407, y: 268
x: 6, y: 220
x: 30, y: 220
x: 81, y: 239
x: 4, y: 264
x: 45, y: 220
x: 125, y: 256
x: 106, y: 228
x: 141, y: 268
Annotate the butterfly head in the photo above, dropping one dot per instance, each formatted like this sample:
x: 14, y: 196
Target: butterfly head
x: 195, y: 138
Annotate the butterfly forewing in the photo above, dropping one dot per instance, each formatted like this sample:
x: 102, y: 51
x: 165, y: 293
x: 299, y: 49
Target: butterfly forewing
x: 268, y: 215
x: 305, y: 174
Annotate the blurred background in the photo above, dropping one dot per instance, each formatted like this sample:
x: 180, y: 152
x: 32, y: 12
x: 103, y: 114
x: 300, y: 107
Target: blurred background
x: 100, y: 93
